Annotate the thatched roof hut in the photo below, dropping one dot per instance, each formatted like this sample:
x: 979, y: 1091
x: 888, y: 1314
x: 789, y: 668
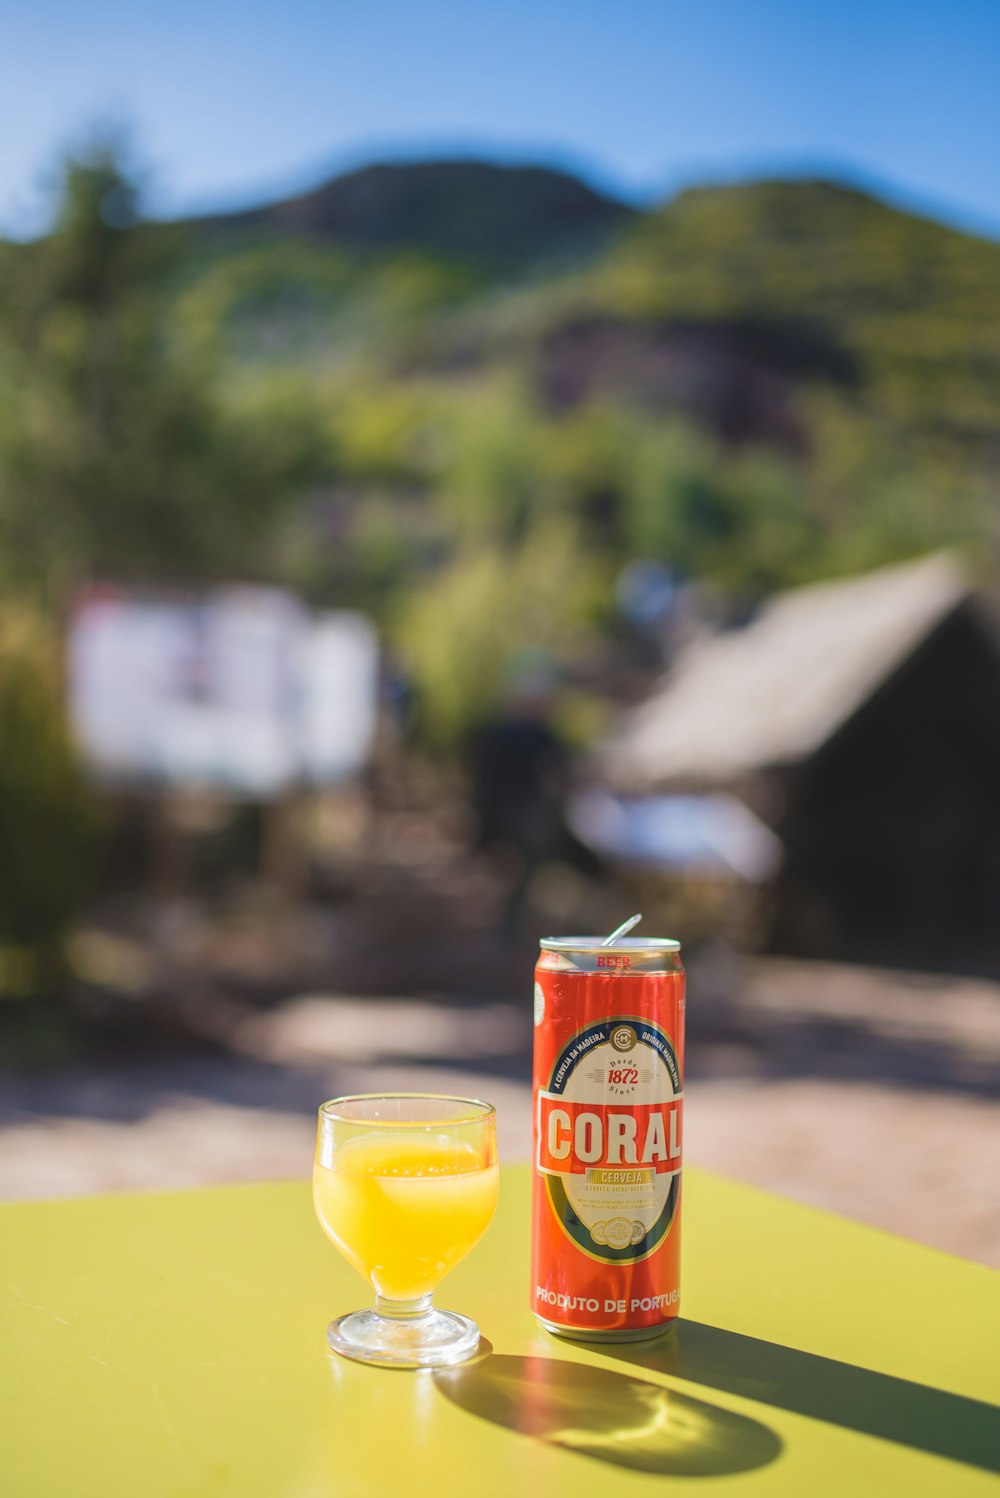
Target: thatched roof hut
x: 777, y: 689
x: 861, y: 718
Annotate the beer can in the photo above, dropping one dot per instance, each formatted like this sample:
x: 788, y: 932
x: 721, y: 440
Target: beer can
x: 608, y: 1098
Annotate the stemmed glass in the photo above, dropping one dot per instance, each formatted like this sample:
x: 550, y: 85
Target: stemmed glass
x: 405, y: 1184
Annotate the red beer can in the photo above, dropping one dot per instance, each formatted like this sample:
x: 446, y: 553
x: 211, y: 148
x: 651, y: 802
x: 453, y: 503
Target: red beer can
x: 608, y: 1095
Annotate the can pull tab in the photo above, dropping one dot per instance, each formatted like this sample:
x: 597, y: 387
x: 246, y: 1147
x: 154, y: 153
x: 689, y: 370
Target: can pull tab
x: 622, y: 930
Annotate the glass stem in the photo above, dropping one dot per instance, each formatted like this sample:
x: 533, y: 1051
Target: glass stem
x: 402, y: 1310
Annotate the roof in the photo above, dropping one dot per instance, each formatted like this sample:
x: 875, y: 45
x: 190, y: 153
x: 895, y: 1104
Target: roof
x: 772, y: 692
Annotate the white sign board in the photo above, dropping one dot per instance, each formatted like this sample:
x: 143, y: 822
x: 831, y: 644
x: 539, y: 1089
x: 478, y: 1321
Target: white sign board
x: 244, y: 691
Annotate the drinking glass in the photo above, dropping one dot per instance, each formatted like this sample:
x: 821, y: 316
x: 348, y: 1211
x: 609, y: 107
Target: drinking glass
x: 405, y: 1184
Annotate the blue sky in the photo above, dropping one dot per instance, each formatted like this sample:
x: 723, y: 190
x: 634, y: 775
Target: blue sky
x: 233, y: 101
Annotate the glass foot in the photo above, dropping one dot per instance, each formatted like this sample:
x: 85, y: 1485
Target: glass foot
x: 429, y: 1339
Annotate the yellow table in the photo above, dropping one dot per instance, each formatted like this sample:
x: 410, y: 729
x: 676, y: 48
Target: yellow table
x: 171, y: 1346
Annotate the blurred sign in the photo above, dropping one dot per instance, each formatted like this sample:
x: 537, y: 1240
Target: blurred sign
x: 244, y: 691
x: 715, y: 836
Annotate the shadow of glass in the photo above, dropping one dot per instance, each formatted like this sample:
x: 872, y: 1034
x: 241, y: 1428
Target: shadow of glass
x: 628, y: 1422
x: 876, y: 1404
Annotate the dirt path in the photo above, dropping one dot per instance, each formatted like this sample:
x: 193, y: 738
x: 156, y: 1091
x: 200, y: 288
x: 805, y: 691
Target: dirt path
x: 874, y: 1095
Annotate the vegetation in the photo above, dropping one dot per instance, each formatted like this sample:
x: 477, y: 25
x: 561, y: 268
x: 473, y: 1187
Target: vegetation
x: 47, y: 820
x: 119, y: 452
x: 465, y: 399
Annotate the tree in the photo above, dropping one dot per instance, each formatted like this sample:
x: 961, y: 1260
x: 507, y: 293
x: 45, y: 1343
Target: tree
x: 117, y: 451
x: 460, y: 630
x: 47, y: 817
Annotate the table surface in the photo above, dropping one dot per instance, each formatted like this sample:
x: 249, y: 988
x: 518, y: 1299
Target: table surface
x: 170, y: 1345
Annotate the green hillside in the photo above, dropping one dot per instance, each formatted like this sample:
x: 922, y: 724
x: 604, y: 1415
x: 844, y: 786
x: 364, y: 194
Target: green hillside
x: 916, y: 304
x: 794, y: 283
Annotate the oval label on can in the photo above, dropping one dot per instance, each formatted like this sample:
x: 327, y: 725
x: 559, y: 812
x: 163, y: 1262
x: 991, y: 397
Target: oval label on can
x: 609, y: 1138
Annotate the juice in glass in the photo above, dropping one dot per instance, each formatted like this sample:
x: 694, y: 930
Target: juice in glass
x: 405, y: 1184
x: 404, y: 1209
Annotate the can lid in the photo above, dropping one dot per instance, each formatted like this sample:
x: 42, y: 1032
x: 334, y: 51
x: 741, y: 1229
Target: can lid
x: 598, y: 944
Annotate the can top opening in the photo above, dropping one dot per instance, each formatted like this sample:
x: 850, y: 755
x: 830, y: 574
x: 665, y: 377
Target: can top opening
x: 596, y: 944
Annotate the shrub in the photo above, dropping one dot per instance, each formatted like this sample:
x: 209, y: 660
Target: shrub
x: 47, y: 816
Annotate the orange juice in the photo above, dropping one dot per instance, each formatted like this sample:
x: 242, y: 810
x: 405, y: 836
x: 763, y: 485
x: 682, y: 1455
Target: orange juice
x: 404, y: 1206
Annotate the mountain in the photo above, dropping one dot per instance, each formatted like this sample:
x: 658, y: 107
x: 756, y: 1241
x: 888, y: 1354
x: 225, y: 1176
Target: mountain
x: 461, y: 208
x: 766, y: 382
x: 724, y: 304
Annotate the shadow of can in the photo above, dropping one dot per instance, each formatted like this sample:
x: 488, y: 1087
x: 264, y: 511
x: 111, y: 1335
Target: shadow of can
x: 610, y: 1417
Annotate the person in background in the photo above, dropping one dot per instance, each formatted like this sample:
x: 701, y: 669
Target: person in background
x: 520, y: 771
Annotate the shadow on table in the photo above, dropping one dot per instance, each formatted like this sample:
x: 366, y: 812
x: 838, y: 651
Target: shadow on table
x: 628, y: 1422
x: 876, y: 1404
